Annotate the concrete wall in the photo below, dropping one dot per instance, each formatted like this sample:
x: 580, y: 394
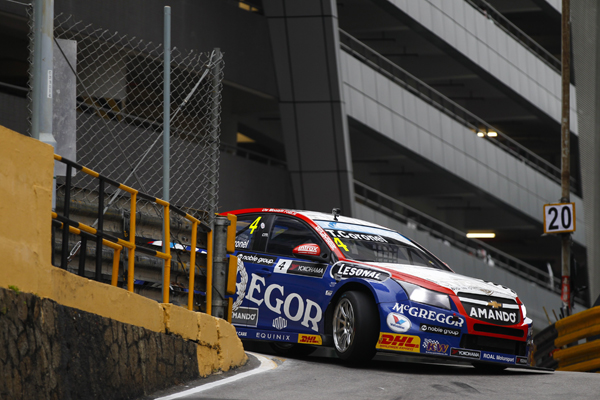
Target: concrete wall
x: 382, y: 105
x: 488, y: 46
x: 26, y: 167
x: 50, y: 351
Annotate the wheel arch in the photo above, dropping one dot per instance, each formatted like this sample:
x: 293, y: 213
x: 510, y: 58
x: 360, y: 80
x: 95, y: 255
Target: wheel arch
x: 350, y: 286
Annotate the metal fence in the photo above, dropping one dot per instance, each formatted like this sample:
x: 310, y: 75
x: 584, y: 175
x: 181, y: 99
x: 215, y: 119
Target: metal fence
x: 119, y: 117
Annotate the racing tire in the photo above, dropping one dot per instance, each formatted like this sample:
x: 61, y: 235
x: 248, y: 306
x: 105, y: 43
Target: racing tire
x: 489, y: 368
x: 355, y: 327
x: 292, y: 349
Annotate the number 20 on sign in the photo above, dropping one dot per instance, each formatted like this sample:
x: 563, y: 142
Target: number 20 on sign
x: 559, y: 218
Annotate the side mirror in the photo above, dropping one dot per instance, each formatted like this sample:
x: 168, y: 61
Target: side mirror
x: 307, y: 249
x: 311, y: 251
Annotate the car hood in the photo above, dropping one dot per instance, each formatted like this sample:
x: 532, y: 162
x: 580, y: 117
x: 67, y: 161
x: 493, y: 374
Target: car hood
x: 450, y: 280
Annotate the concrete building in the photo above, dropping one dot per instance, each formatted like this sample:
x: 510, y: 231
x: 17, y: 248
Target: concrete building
x: 434, y: 117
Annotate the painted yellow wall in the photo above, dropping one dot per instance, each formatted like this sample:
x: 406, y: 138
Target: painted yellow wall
x: 26, y: 168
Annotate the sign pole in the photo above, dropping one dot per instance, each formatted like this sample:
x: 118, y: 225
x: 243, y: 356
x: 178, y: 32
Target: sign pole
x: 566, y: 155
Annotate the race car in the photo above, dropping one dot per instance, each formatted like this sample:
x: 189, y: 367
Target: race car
x: 307, y: 279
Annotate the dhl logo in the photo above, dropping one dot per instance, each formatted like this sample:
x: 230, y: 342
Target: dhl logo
x: 389, y: 341
x: 310, y: 339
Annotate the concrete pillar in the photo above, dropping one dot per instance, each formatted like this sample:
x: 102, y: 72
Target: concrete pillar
x: 305, y: 41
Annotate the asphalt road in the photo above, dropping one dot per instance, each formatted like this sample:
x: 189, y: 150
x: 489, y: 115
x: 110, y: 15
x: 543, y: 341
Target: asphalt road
x: 322, y: 376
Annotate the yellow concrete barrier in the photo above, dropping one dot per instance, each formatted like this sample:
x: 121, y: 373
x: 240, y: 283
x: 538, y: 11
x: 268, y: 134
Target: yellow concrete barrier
x: 570, y: 330
x: 26, y: 168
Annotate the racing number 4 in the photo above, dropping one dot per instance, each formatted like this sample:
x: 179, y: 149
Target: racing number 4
x: 340, y: 243
x: 254, y: 225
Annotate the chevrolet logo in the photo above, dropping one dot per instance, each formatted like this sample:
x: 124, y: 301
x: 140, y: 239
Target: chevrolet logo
x: 493, y: 304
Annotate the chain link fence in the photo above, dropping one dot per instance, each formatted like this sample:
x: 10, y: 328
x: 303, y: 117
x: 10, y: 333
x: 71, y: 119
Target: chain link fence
x: 119, y: 117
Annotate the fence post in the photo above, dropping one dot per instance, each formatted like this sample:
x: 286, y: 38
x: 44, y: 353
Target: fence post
x: 43, y: 68
x: 214, y: 133
x: 166, y: 135
x: 219, y: 278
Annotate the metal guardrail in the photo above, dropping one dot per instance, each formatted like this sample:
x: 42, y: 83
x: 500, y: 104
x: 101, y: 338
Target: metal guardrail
x: 558, y: 347
x: 102, y: 238
x: 391, y: 207
x: 503, y: 23
x: 436, y: 99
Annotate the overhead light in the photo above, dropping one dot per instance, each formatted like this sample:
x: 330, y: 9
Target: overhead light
x: 480, y: 134
x: 492, y: 134
x: 481, y: 235
x: 241, y: 138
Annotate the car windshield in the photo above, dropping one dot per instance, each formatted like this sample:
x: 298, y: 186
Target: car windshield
x: 370, y: 244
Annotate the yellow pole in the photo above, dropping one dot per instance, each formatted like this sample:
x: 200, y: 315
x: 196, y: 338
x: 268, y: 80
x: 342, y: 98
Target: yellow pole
x: 115, y: 270
x: 192, y: 266
x: 131, y: 260
x: 209, y: 272
x: 167, y: 261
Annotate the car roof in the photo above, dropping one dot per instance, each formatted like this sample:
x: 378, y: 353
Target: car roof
x: 320, y: 216
x: 312, y: 215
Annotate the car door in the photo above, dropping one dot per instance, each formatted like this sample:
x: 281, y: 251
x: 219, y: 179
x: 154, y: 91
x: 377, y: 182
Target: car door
x: 291, y: 291
x: 249, y: 236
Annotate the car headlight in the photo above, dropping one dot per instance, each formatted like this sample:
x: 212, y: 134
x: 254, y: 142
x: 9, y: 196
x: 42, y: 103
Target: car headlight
x: 426, y: 296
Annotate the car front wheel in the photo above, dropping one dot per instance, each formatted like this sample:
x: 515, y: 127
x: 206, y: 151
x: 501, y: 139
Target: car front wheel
x: 355, y: 327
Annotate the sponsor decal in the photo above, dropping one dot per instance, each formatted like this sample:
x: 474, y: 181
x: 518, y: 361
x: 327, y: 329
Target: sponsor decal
x: 325, y: 236
x: 310, y: 339
x: 522, y: 361
x: 273, y: 336
x: 356, y: 236
x: 434, y: 347
x: 279, y: 323
x: 390, y: 341
x: 293, y: 306
x: 240, y: 290
x: 251, y: 333
x: 328, y: 292
x: 257, y: 259
x: 348, y: 270
x: 442, y: 318
x: 300, y: 268
x: 440, y: 330
x: 312, y: 249
x: 398, y: 322
x: 279, y: 210
x: 464, y: 353
x: 498, y: 357
x: 262, y: 225
x: 492, y: 313
x: 242, y: 244
x: 244, y: 316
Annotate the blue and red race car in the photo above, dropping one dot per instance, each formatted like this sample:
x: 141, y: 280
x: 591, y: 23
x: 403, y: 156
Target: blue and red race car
x: 309, y: 279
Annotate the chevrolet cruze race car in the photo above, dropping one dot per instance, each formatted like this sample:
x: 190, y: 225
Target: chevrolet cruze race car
x: 308, y: 279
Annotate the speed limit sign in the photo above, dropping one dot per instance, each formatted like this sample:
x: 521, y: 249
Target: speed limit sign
x: 559, y: 218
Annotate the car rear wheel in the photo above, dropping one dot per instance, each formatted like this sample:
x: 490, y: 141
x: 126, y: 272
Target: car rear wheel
x: 292, y: 349
x: 355, y: 327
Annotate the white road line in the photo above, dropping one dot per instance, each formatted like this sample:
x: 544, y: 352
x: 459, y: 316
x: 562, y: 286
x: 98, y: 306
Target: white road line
x: 265, y: 365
